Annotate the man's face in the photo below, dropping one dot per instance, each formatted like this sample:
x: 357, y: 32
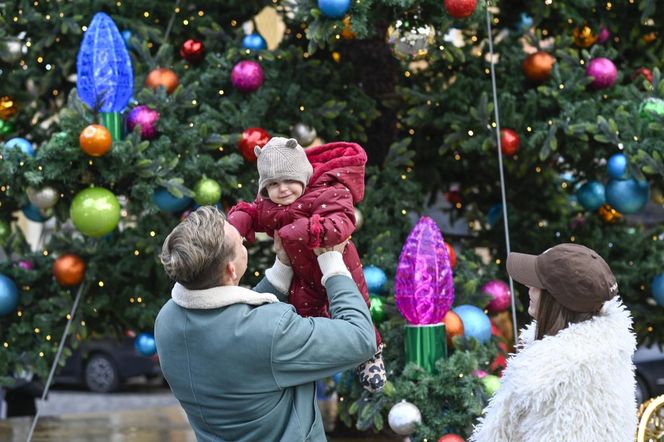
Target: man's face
x: 240, y: 251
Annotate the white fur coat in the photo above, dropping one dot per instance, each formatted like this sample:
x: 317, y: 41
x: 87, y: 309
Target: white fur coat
x: 576, y: 386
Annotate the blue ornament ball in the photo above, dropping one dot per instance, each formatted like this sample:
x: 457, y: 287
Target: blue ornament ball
x: 627, y: 196
x: 476, y: 324
x: 33, y: 213
x: 375, y: 278
x: 21, y: 143
x: 525, y: 23
x: 617, y: 166
x: 254, y: 41
x: 494, y: 214
x: 333, y: 8
x: 126, y: 36
x: 169, y: 203
x: 8, y: 295
x: 591, y: 195
x: 145, y: 344
x: 657, y: 289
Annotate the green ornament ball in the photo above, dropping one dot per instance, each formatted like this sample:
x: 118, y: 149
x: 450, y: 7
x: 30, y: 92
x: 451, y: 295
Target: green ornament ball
x: 491, y: 384
x: 5, y: 231
x: 376, y: 309
x: 207, y: 192
x: 95, y: 211
x: 6, y: 127
x: 652, y: 109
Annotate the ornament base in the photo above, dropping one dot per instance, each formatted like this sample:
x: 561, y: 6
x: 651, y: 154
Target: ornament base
x: 425, y: 344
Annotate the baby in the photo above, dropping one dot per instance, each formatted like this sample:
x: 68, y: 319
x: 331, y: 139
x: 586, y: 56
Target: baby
x: 308, y: 198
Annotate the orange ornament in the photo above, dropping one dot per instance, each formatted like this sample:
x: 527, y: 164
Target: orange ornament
x: 162, y: 77
x: 7, y: 107
x: 537, y: 67
x: 584, y: 36
x: 95, y: 140
x: 451, y: 253
x: 69, y: 270
x: 347, y: 33
x: 453, y: 326
x: 609, y: 214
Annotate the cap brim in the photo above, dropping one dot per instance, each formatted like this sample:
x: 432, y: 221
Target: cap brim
x: 522, y: 268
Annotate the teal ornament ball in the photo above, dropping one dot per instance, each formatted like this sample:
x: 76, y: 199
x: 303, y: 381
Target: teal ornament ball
x: 8, y: 295
x: 627, y: 196
x: 207, y: 192
x: 376, y: 309
x: 476, y: 324
x: 617, y: 166
x: 95, y: 211
x: 169, y: 203
x: 591, y: 195
x: 33, y: 213
x: 652, y: 109
x: 657, y: 289
x: 375, y: 278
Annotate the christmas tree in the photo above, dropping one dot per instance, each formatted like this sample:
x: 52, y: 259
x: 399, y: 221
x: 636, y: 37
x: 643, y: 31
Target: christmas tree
x: 579, y: 100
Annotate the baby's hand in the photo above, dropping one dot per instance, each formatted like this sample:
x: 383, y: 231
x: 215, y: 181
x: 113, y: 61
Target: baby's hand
x: 337, y: 248
x: 279, y: 249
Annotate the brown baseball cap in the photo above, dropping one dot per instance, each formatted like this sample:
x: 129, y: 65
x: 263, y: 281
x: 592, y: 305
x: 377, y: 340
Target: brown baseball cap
x: 574, y: 275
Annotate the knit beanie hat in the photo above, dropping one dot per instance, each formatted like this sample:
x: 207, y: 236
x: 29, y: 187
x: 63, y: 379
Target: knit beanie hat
x: 282, y: 159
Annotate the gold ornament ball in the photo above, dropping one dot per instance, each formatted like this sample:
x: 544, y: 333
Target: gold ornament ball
x: 347, y: 33
x: 584, y: 36
x: 609, y: 214
x: 359, y: 219
x: 537, y: 67
x: 657, y: 196
x: 7, y: 107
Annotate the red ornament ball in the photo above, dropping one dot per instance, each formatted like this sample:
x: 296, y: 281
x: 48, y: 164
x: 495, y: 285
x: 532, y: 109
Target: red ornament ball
x: 647, y: 73
x: 509, y: 142
x: 162, y: 77
x: 460, y: 8
x: 451, y: 253
x: 451, y: 438
x: 252, y: 137
x: 69, y: 270
x: 95, y: 140
x: 193, y: 51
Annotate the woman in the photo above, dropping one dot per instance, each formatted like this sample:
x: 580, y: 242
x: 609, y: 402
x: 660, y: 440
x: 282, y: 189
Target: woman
x: 573, y: 377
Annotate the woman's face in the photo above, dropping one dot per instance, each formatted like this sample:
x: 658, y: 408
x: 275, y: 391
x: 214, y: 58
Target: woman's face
x: 534, y: 300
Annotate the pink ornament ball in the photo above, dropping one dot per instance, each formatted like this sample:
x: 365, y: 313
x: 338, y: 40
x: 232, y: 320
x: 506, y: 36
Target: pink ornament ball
x: 500, y: 294
x: 603, y: 72
x: 480, y: 374
x: 603, y: 35
x: 25, y: 264
x: 247, y: 76
x: 146, y: 118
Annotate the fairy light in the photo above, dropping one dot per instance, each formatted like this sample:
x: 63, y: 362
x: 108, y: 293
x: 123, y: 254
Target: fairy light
x: 45, y: 253
x: 153, y: 233
x: 136, y: 252
x: 146, y: 14
x: 139, y: 299
x: 132, y: 300
x: 471, y: 133
x: 221, y: 92
x: 404, y: 212
x: 36, y: 330
x: 41, y: 354
x: 101, y: 283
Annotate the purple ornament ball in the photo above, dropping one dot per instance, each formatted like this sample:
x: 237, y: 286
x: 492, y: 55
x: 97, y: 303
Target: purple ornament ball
x: 25, y: 264
x: 500, y: 294
x: 247, y: 76
x: 603, y: 35
x: 603, y: 71
x: 146, y: 118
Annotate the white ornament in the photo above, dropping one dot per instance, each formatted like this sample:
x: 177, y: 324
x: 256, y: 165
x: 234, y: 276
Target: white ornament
x: 305, y: 135
x: 44, y: 198
x: 404, y: 417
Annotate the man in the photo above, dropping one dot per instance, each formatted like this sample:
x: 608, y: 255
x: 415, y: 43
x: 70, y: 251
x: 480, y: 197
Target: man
x: 243, y: 364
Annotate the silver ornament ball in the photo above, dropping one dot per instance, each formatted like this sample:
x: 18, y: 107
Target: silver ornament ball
x: 409, y: 42
x: 305, y: 135
x: 12, y: 49
x: 359, y: 219
x: 404, y: 417
x: 44, y: 198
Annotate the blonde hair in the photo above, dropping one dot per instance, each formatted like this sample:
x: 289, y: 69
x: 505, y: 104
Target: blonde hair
x: 196, y: 251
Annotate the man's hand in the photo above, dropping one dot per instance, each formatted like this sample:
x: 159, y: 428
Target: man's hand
x: 337, y: 248
x: 279, y: 250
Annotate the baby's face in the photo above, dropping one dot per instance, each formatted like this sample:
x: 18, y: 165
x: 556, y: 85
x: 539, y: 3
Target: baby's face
x: 284, y: 192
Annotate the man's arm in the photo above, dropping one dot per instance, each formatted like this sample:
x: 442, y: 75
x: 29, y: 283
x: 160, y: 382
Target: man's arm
x: 306, y: 349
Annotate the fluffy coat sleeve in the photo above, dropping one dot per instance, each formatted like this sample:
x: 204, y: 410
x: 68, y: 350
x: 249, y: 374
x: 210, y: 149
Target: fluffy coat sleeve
x: 331, y: 222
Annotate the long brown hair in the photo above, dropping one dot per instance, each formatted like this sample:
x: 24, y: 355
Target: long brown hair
x: 552, y: 316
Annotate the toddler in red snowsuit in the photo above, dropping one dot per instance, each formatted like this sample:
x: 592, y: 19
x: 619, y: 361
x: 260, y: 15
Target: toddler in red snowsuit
x: 308, y: 197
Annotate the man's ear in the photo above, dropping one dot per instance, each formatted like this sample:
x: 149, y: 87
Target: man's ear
x: 229, y: 272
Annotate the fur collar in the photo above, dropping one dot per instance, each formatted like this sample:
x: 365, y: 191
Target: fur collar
x: 218, y: 297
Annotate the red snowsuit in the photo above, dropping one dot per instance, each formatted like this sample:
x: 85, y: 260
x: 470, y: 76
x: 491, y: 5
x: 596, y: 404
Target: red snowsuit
x: 323, y: 216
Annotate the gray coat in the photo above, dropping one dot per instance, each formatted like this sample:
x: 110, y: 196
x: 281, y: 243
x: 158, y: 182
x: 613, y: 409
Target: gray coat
x: 243, y: 365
